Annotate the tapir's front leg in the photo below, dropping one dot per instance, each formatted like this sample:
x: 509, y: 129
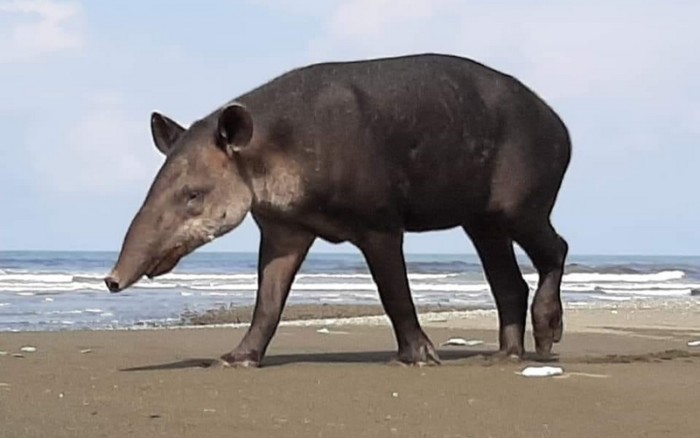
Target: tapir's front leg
x: 384, y: 255
x: 282, y: 250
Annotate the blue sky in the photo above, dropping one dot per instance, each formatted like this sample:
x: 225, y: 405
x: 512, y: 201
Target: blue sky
x: 79, y: 79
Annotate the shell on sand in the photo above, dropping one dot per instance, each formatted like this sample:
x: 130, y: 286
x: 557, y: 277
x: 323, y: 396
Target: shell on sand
x: 460, y: 342
x: 544, y: 371
x: 325, y: 331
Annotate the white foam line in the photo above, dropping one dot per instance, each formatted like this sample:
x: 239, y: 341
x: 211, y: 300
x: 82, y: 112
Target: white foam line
x: 43, y: 278
x: 650, y: 293
x: 633, y: 278
x: 646, y: 286
x: 347, y: 287
x: 596, y: 277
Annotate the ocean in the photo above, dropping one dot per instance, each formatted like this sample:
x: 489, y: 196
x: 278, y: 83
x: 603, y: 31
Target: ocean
x: 50, y: 291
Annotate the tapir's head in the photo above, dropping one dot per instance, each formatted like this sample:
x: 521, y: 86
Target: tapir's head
x: 198, y: 194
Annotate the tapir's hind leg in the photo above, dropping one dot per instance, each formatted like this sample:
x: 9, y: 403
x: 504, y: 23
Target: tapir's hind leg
x: 495, y: 249
x: 548, y: 251
x: 384, y: 255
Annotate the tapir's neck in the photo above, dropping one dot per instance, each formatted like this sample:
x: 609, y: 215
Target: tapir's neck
x: 276, y: 183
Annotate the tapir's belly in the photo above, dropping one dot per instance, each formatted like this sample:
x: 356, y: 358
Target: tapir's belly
x: 439, y: 207
x: 446, y: 192
x: 443, y: 189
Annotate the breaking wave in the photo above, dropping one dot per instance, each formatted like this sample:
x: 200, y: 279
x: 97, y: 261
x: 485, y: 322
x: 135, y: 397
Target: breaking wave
x: 662, y: 282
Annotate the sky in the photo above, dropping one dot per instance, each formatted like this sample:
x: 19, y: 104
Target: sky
x: 79, y: 79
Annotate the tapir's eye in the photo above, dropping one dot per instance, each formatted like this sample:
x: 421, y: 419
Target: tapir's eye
x: 193, y: 196
x: 194, y: 203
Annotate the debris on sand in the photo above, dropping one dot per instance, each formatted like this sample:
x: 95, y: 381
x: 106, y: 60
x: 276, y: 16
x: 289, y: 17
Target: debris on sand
x: 86, y: 351
x: 595, y: 376
x: 543, y: 371
x: 460, y: 342
x: 28, y: 349
x: 326, y: 331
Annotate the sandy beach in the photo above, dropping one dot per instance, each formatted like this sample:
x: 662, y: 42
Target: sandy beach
x: 627, y: 372
x: 168, y: 170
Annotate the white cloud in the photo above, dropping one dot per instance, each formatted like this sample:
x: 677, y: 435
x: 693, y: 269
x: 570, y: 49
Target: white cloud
x: 366, y: 20
x: 305, y: 8
x: 693, y: 122
x: 106, y: 151
x: 37, y: 27
x: 569, y: 48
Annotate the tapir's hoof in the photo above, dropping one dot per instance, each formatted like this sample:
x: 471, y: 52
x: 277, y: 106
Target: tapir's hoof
x: 507, y: 356
x: 422, y: 354
x: 238, y: 361
x: 545, y: 340
x: 218, y: 364
x: 547, y: 325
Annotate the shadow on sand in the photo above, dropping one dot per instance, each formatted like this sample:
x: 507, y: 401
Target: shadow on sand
x: 481, y: 357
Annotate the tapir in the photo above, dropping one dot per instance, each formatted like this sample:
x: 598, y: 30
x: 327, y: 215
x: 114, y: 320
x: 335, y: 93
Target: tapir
x: 364, y: 151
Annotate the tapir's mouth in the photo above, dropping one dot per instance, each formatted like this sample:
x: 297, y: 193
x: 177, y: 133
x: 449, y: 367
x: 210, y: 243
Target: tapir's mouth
x: 157, y: 266
x: 166, y: 263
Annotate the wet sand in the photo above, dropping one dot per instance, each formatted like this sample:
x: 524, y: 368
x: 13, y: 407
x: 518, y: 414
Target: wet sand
x: 628, y: 372
x: 299, y: 312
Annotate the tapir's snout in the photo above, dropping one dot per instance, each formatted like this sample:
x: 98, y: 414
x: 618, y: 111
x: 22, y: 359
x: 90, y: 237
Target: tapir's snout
x: 119, y: 280
x: 112, y: 283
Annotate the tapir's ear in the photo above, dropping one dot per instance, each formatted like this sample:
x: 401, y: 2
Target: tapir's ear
x: 165, y: 132
x: 235, y: 128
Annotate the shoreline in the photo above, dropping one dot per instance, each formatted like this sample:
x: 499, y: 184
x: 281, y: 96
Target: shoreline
x: 609, y: 319
x: 310, y: 315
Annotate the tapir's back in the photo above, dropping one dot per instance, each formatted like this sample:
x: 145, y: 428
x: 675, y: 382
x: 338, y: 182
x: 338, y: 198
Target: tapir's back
x: 420, y: 133
x: 388, y: 89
